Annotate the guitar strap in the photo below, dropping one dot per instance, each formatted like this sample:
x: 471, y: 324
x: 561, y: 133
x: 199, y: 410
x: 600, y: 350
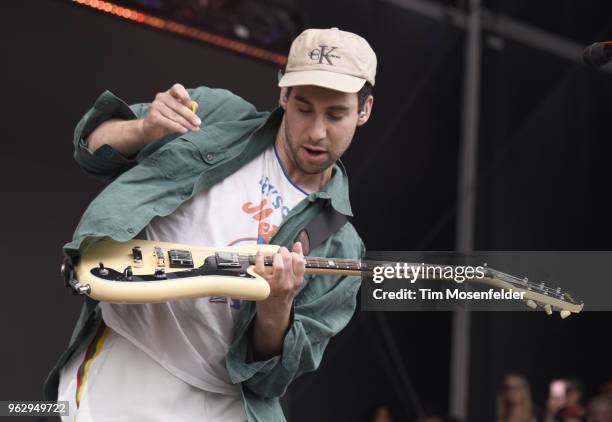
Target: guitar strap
x: 327, y: 222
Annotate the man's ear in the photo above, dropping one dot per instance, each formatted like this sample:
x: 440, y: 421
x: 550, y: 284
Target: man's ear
x: 364, y: 114
x: 282, y: 99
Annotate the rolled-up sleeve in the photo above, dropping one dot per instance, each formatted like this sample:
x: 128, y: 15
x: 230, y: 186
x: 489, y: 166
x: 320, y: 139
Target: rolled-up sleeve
x: 322, y: 308
x: 106, y: 162
x: 314, y: 322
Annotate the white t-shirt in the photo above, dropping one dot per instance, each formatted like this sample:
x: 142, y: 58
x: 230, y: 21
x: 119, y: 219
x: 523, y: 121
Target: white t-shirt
x: 190, y: 338
x: 121, y: 383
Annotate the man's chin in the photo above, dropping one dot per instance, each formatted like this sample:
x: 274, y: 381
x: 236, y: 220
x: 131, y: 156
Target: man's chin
x: 314, y: 169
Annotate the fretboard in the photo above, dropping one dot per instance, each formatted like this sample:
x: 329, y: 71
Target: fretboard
x: 315, y: 265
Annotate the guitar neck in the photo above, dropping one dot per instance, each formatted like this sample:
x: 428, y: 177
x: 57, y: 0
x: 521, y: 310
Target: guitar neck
x: 337, y: 266
x: 330, y: 266
x: 334, y: 266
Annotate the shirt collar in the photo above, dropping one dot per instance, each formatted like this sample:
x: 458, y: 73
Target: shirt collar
x: 336, y: 190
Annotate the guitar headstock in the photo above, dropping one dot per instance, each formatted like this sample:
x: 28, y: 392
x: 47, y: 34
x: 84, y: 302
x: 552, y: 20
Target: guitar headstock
x: 536, y: 294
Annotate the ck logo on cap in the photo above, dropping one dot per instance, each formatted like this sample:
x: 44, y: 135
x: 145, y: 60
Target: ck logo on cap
x: 323, y: 53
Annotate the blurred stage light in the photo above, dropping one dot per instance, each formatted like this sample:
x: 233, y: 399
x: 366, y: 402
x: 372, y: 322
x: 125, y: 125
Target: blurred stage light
x: 256, y: 29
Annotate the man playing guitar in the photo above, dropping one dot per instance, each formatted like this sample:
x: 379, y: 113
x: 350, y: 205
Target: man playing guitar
x: 224, y: 174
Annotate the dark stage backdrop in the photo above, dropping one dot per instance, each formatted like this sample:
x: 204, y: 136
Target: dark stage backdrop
x: 544, y: 181
x: 543, y: 184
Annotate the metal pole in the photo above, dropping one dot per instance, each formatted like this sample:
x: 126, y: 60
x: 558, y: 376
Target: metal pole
x: 460, y: 343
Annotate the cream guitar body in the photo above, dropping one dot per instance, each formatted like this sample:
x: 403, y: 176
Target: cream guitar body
x: 140, y: 271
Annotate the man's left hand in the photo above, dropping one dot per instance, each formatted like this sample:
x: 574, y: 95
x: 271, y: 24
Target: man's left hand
x: 272, y: 317
x: 284, y: 276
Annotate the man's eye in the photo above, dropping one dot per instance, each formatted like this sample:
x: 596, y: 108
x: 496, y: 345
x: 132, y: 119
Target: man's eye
x: 304, y: 111
x: 333, y: 117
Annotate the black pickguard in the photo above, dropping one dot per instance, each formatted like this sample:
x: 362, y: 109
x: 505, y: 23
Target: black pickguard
x: 209, y: 268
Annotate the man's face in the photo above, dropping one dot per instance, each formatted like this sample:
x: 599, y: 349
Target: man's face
x: 319, y: 126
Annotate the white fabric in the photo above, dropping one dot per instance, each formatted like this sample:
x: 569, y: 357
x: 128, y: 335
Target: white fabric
x: 126, y: 385
x: 190, y: 338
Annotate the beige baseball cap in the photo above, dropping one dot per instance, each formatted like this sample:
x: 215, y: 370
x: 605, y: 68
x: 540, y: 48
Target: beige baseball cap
x: 330, y: 58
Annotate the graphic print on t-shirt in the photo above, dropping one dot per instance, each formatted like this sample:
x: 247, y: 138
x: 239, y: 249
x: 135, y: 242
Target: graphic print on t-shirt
x: 265, y: 212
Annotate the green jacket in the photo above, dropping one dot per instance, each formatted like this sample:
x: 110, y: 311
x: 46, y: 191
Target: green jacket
x: 167, y: 173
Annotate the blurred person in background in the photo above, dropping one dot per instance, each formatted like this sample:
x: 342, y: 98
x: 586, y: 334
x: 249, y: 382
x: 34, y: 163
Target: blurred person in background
x: 556, y: 400
x: 432, y: 413
x: 380, y: 412
x: 514, y: 402
x: 564, y: 403
x: 606, y: 390
x: 600, y: 409
x: 573, y: 411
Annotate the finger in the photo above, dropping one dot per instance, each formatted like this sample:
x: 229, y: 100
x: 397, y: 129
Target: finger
x: 298, y: 264
x: 286, y: 255
x: 259, y: 264
x: 278, y: 265
x: 179, y: 108
x: 182, y: 104
x: 179, y: 92
x: 297, y: 248
x: 171, y: 114
x: 158, y: 119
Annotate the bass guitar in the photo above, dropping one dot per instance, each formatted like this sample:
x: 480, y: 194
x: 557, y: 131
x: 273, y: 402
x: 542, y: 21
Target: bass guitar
x: 143, y: 271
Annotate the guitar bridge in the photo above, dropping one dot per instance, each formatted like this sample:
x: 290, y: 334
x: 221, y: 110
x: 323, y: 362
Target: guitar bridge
x: 159, y: 256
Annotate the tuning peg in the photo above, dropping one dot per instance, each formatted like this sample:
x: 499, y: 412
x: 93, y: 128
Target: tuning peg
x: 532, y: 304
x: 564, y: 313
x: 548, y: 309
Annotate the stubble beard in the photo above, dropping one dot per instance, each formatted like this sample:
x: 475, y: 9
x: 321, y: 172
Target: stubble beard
x: 294, y: 156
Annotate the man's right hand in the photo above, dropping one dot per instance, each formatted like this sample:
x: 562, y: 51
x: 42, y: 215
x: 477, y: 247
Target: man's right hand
x: 170, y: 112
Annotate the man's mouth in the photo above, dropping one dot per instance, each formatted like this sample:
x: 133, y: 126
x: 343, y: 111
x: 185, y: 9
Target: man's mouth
x: 314, y: 153
x: 313, y: 149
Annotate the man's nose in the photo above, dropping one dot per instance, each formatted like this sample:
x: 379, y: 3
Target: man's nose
x: 318, y: 129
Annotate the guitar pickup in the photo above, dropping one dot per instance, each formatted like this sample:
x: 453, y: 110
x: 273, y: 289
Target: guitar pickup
x: 180, y: 258
x: 137, y: 256
x: 227, y: 259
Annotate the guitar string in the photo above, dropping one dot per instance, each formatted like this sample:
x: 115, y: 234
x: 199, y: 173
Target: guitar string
x: 317, y: 262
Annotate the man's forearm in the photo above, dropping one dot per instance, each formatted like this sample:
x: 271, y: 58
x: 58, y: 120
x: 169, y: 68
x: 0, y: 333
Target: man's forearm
x: 126, y: 136
x: 269, y: 331
x: 170, y: 112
